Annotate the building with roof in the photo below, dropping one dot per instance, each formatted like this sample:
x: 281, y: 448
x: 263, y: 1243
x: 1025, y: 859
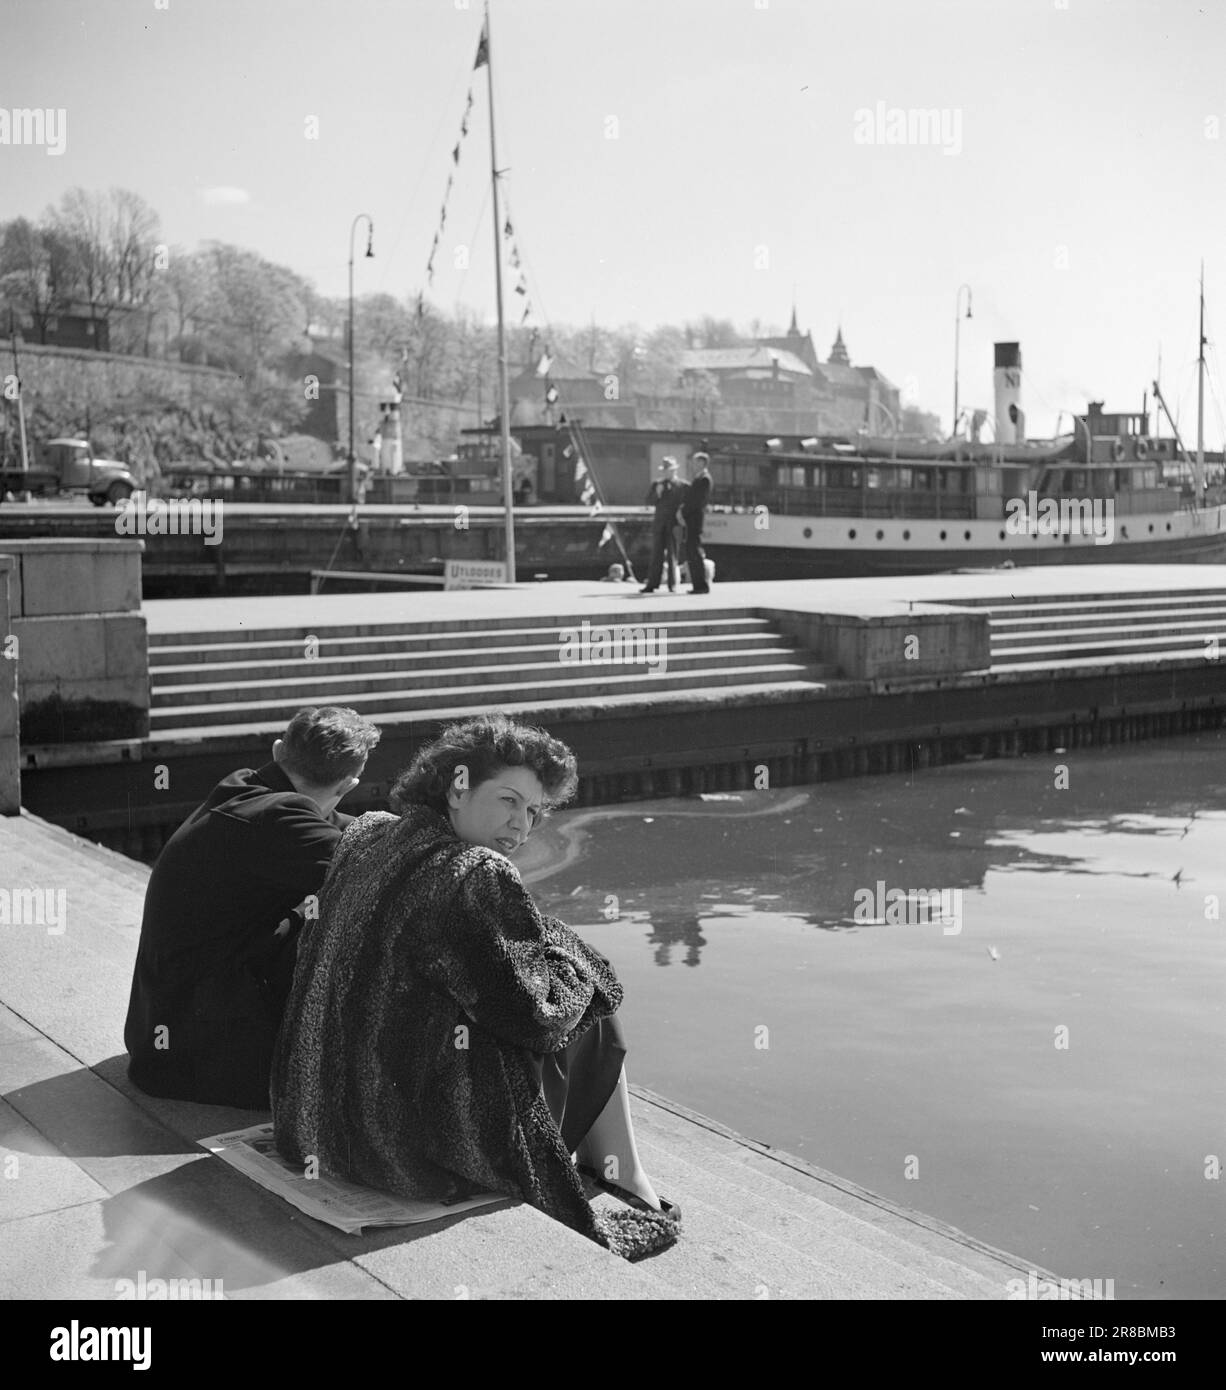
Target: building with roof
x: 594, y: 395
x: 778, y: 383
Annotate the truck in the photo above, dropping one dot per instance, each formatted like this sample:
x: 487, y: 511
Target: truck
x: 69, y: 466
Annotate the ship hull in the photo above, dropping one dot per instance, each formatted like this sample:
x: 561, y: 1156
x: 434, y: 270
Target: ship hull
x: 798, y: 547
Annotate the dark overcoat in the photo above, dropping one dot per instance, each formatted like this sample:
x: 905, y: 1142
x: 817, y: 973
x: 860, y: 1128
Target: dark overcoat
x: 211, y: 975
x: 422, y: 993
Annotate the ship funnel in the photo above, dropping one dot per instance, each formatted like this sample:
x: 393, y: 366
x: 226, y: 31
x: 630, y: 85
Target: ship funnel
x: 1007, y: 379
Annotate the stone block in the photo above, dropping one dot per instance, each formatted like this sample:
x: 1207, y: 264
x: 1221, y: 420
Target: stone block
x: 69, y: 576
x: 923, y: 643
x: 127, y: 652
x: 66, y: 649
x: 10, y: 751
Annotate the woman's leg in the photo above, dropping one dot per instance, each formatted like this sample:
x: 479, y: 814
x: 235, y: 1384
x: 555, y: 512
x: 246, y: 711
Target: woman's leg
x: 609, y: 1148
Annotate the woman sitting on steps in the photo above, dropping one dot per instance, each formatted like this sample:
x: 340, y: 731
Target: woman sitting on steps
x: 443, y: 1037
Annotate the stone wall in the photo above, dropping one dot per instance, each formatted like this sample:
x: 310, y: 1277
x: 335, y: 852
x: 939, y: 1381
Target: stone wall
x: 82, y: 662
x: 10, y: 763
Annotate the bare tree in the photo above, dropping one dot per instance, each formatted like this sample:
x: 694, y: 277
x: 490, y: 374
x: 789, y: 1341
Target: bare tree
x: 27, y: 281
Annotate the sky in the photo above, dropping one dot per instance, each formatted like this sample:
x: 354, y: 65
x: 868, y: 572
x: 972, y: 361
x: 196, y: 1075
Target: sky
x: 670, y: 159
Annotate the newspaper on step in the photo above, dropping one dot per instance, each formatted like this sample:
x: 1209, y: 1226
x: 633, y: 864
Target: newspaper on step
x: 345, y: 1205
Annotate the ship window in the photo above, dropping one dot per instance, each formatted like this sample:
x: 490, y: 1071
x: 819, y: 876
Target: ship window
x: 873, y: 477
x: 922, y: 478
x: 798, y: 476
x: 904, y: 478
x: 1074, y: 480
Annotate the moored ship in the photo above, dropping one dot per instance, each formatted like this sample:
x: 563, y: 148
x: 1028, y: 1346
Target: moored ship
x: 1108, y: 493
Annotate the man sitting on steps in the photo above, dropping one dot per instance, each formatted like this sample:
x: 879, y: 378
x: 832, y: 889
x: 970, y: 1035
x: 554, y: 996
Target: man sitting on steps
x: 219, y: 935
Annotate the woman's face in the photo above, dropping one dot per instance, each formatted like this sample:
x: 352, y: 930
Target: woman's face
x: 500, y: 812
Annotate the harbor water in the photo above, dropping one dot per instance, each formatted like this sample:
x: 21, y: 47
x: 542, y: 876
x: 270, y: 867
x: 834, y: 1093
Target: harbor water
x: 1035, y: 1057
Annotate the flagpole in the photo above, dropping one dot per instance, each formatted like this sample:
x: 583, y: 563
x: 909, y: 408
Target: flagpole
x: 503, y: 386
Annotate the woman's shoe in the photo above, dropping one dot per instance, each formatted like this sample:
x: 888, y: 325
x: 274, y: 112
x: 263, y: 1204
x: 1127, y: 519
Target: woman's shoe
x: 668, y: 1209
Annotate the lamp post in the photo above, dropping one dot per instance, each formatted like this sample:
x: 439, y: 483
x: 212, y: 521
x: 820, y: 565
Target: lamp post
x: 957, y: 341
x: 370, y: 251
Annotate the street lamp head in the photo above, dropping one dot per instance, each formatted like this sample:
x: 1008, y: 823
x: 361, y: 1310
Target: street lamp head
x: 370, y: 239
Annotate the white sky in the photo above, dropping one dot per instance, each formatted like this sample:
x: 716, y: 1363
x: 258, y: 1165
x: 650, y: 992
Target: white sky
x: 1083, y: 141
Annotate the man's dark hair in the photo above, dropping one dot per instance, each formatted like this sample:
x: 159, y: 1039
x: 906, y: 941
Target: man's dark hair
x: 484, y: 746
x: 321, y: 746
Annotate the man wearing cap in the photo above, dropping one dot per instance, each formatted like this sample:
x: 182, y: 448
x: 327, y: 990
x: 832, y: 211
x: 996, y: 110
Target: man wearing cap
x: 693, y: 513
x: 665, y: 496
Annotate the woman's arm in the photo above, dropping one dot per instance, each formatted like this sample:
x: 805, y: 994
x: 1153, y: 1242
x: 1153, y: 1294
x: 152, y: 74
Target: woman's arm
x: 526, y: 978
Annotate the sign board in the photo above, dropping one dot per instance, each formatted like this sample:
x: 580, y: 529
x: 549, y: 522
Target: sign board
x: 472, y: 574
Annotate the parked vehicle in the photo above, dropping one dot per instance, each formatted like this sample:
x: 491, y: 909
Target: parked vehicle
x: 69, y: 466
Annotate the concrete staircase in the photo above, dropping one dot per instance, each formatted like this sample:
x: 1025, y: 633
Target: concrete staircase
x: 1088, y: 630
x: 261, y: 676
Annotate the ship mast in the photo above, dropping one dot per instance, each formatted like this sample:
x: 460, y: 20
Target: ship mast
x: 503, y: 389
x: 1200, y: 396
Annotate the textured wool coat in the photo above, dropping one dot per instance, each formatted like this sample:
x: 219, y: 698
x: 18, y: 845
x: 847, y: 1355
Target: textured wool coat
x: 405, y: 1060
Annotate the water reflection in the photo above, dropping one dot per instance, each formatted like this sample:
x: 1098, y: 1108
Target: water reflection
x: 814, y: 856
x: 667, y: 932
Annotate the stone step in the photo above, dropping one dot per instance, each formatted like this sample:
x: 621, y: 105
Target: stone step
x: 496, y: 696
x: 757, y: 1188
x: 1123, y: 620
x: 1084, y: 602
x: 742, y: 1240
x: 1054, y: 633
x: 1122, y: 646
x: 310, y: 682
x: 341, y: 640
x: 409, y: 626
x: 533, y: 709
x: 424, y: 662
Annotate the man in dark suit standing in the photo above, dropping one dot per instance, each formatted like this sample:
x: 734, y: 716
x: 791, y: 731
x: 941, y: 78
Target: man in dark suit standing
x: 219, y: 935
x: 665, y: 496
x: 693, y: 513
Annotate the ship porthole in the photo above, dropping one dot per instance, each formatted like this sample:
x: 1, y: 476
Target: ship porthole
x: 1168, y: 525
x: 966, y: 535
x: 1151, y: 528
x: 1002, y: 535
x: 851, y: 535
x: 881, y: 535
x: 906, y: 535
x: 1124, y: 532
x: 942, y: 535
x: 808, y: 532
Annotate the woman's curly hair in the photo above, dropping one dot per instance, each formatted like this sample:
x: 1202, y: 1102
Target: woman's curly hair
x: 484, y: 746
